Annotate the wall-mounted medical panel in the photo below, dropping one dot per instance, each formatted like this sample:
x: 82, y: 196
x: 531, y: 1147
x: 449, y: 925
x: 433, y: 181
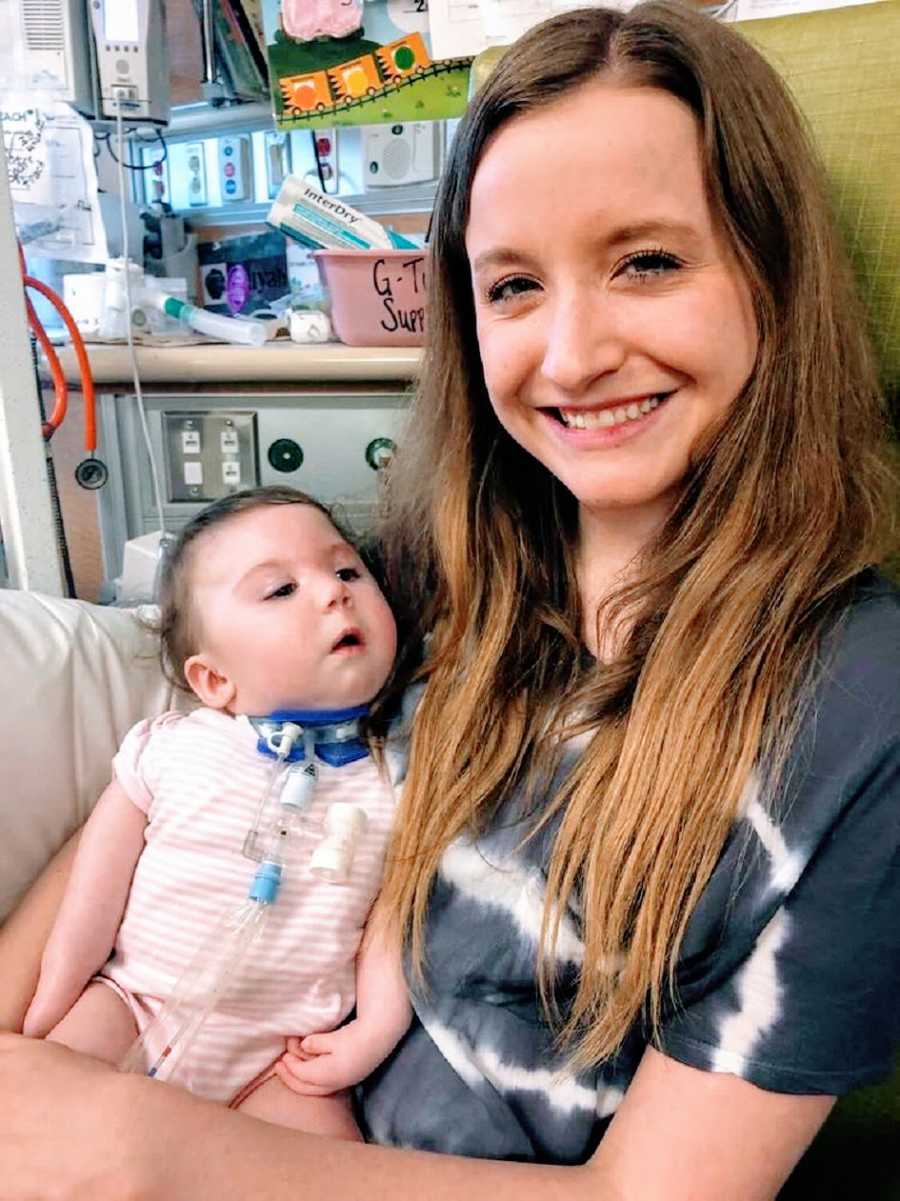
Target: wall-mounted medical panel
x: 334, y: 444
x: 208, y: 454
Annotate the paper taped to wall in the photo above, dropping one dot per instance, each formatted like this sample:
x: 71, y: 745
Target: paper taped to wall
x: 52, y: 176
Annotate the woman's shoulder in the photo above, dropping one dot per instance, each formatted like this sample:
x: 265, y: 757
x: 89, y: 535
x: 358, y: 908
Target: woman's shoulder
x: 859, y: 658
x: 872, y: 609
x: 848, y: 733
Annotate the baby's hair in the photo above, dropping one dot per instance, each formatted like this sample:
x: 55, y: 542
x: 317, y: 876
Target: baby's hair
x: 178, y: 626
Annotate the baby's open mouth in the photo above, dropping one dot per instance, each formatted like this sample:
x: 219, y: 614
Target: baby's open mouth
x: 348, y: 640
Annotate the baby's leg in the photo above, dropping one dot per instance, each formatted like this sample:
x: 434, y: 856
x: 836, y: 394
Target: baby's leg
x: 99, y: 1023
x: 274, y: 1102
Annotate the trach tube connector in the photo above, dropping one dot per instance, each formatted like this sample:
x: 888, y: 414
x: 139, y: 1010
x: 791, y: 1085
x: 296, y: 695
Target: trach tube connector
x: 332, y: 859
x: 266, y: 883
x: 299, y: 786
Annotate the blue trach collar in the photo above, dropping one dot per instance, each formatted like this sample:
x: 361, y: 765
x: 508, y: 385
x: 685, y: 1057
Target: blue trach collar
x: 337, y: 740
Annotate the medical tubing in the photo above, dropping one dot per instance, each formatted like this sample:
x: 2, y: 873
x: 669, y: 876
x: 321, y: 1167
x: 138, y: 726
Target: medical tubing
x: 62, y: 541
x: 84, y: 366
x: 60, y: 387
x: 129, y: 335
x: 251, y: 839
x: 245, y: 333
x: 208, y: 974
x: 217, y: 961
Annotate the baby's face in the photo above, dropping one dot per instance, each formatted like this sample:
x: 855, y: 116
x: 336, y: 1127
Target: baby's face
x: 289, y: 614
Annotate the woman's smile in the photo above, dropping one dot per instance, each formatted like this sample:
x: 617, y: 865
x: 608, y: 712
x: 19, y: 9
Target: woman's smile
x: 609, y: 425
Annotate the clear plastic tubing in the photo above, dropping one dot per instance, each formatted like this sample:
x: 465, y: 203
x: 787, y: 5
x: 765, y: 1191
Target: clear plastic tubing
x: 215, y: 965
x: 246, y: 332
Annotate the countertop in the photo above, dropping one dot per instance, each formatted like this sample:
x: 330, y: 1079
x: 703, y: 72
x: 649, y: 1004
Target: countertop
x: 281, y: 361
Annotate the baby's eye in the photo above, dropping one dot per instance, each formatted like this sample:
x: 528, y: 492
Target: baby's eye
x: 285, y: 590
x: 507, y: 289
x: 347, y: 574
x: 645, y: 264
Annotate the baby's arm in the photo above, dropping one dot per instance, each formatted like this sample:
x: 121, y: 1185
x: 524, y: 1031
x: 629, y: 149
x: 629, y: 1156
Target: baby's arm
x: 323, y: 1063
x: 92, y: 907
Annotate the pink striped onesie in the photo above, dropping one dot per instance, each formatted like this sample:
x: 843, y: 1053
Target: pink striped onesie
x: 199, y: 779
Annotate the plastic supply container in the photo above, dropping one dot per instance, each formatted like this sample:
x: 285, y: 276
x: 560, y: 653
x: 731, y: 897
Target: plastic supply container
x: 378, y: 297
x: 315, y: 219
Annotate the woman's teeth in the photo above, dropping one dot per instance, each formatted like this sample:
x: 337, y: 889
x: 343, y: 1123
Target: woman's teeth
x: 583, y: 419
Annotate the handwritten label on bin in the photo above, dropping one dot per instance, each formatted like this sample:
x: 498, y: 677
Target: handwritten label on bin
x: 401, y: 285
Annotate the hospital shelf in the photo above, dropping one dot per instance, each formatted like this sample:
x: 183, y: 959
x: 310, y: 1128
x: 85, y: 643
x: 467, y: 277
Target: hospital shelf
x: 281, y: 361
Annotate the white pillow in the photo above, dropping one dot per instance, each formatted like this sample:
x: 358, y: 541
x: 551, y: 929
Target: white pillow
x: 74, y: 678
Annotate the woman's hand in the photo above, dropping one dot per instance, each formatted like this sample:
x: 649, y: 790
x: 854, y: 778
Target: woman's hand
x: 69, y: 1127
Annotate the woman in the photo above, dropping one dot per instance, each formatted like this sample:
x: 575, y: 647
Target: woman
x: 654, y: 765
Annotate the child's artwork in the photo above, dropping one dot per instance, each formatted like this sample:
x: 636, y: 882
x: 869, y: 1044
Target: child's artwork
x: 357, y: 62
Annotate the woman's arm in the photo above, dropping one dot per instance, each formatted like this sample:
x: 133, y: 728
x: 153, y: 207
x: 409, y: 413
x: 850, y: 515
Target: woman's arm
x: 680, y: 1135
x: 91, y: 910
x: 24, y: 935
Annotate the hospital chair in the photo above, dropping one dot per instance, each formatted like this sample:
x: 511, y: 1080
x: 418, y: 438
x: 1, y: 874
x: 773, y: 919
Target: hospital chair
x: 76, y: 676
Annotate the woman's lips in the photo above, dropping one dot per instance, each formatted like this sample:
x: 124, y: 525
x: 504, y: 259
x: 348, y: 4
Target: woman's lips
x: 597, y: 431
x: 613, y: 413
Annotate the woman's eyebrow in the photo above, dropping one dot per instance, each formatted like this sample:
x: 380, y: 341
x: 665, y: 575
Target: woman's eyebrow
x: 658, y: 227
x: 655, y: 227
x: 501, y: 256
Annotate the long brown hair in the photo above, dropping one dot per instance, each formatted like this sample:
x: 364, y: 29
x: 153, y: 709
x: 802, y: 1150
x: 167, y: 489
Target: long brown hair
x: 778, y: 515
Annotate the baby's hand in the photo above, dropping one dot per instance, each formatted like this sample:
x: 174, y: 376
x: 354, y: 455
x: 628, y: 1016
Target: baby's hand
x: 320, y: 1064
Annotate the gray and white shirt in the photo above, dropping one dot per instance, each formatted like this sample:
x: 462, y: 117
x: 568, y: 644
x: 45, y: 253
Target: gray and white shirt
x: 788, y: 976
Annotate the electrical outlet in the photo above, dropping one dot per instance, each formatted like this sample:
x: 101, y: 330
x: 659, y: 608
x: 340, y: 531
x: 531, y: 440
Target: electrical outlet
x: 198, y: 193
x: 157, y: 179
x: 278, y: 161
x: 234, y: 167
x: 327, y: 153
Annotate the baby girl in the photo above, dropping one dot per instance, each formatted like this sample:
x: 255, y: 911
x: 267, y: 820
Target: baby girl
x: 269, y: 616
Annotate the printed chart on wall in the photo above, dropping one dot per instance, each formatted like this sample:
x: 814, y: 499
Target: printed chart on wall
x: 470, y: 26
x: 52, y: 177
x: 460, y: 27
x: 346, y: 62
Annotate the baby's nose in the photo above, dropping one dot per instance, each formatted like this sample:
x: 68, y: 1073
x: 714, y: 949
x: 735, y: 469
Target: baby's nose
x: 334, y: 591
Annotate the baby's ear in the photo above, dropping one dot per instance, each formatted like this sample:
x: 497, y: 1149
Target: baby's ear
x: 214, y: 690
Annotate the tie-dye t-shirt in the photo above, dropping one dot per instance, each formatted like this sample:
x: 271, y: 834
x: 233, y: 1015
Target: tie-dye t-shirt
x: 788, y: 975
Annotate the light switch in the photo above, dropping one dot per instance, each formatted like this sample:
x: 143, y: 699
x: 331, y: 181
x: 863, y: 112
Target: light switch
x: 193, y: 473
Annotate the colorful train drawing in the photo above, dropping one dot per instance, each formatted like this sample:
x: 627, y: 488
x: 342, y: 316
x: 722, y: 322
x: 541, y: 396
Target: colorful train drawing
x: 368, y: 75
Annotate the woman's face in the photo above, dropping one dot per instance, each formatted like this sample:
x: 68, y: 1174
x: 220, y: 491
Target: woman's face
x: 614, y: 325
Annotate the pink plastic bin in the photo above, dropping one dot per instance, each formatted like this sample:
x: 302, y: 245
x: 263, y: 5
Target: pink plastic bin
x: 378, y: 297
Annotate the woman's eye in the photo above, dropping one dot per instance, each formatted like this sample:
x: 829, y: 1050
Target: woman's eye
x: 507, y: 289
x: 285, y: 590
x: 646, y: 264
x: 347, y: 574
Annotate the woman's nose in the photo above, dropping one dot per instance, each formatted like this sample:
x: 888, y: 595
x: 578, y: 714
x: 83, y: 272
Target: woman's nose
x: 582, y: 340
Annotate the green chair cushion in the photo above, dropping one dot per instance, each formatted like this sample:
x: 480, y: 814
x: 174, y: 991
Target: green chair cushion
x: 843, y: 67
